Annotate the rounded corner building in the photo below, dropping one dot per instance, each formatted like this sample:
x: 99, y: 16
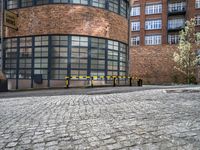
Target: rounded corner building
x: 58, y: 38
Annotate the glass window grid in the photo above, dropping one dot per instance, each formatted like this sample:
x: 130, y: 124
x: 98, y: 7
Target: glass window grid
x: 153, y: 9
x: 135, y: 26
x: 118, y: 6
x: 12, y: 4
x: 177, y: 7
x: 79, y: 52
x: 197, y: 20
x: 197, y: 4
x: 135, y: 41
x: 41, y: 57
x: 99, y: 3
x: 84, y: 2
x: 176, y: 23
x: 153, y: 40
x: 113, y: 5
x: 98, y: 53
x: 173, y: 39
x: 26, y: 3
x: 58, y: 74
x: 10, y: 57
x: 60, y: 1
x: 123, y: 8
x: 41, y: 2
x: 11, y: 43
x: 25, y: 42
x: 135, y: 11
x: 153, y: 24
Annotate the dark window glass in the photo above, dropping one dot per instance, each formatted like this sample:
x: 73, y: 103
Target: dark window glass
x: 85, y: 2
x: 123, y: 10
x: 26, y: 3
x: 40, y: 2
x: 113, y: 5
x: 11, y: 4
x: 99, y: 3
x: 60, y: 1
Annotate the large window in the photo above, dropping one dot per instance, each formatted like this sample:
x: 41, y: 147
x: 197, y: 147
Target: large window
x: 153, y: 9
x: 135, y: 11
x: 197, y: 20
x: 135, y: 26
x: 85, y: 2
x: 26, y: 3
x: 40, y: 2
x: 113, y: 5
x: 198, y: 55
x: 60, y: 1
x: 197, y: 4
x: 135, y: 41
x: 153, y: 40
x: 173, y: 39
x: 113, y: 54
x: 98, y: 54
x: 56, y: 56
x: 99, y: 3
x: 11, y: 58
x: 153, y: 24
x: 59, y: 57
x: 122, y: 59
x: 177, y: 7
x: 11, y: 4
x: 25, y: 58
x: 123, y: 8
x: 118, y: 6
x: 79, y: 55
x: 41, y: 56
x: 176, y: 23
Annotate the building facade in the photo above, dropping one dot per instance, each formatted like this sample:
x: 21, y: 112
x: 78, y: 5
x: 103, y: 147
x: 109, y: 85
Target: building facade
x: 155, y: 27
x: 58, y: 38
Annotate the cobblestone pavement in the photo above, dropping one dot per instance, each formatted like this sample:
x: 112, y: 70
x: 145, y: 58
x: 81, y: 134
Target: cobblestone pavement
x: 154, y: 119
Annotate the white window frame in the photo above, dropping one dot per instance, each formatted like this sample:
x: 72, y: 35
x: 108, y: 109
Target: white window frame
x: 197, y: 20
x: 153, y: 40
x: 135, y: 26
x: 197, y: 4
x: 176, y: 23
x: 153, y: 24
x: 135, y: 41
x: 153, y: 9
x: 173, y: 39
x: 135, y: 11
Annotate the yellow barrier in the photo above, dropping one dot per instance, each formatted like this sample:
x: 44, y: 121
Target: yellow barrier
x: 92, y: 78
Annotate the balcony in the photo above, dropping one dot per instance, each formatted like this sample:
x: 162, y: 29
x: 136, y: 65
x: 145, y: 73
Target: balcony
x: 176, y: 24
x: 175, y: 28
x: 177, y: 9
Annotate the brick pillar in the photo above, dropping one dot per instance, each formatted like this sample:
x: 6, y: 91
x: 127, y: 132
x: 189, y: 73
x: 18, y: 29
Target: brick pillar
x: 142, y: 22
x: 164, y: 21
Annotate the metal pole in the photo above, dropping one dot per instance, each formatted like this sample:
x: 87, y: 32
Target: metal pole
x: 2, y: 38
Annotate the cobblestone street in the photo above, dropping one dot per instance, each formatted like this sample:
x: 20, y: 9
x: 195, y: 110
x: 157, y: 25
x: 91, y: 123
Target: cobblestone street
x: 155, y: 119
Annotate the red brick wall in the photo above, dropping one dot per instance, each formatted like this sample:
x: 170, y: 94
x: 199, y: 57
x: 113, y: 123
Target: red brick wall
x: 70, y: 19
x: 154, y: 64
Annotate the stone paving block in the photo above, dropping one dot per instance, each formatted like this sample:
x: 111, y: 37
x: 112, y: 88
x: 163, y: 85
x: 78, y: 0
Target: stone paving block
x: 150, y: 119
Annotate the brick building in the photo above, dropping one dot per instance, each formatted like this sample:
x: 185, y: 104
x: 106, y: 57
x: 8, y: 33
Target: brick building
x: 155, y: 26
x: 58, y: 38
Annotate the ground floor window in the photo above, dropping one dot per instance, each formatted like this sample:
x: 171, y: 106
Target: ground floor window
x: 56, y: 56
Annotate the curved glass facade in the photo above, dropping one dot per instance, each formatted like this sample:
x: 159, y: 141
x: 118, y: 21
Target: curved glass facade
x: 57, y: 56
x: 117, y: 6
